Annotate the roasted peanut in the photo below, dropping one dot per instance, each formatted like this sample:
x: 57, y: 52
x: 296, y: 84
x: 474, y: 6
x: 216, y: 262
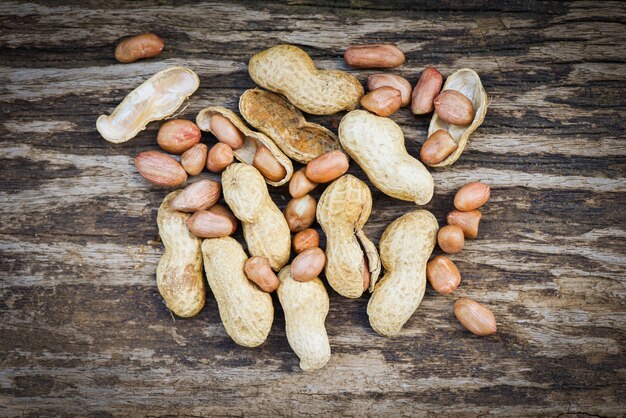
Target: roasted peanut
x: 305, y: 239
x: 206, y: 224
x: 401, y: 84
x: 246, y: 311
x: 194, y: 159
x: 300, y: 213
x: 226, y: 132
x: 308, y: 264
x: 443, y: 275
x: 383, y: 101
x: 259, y: 271
x: 145, y: 45
x: 472, y: 196
x: 265, y: 162
x: 425, y: 91
x: 220, y: 156
x: 405, y: 248
x: 475, y: 317
x: 197, y: 196
x: 223, y: 210
x: 160, y: 169
x: 178, y: 135
x: 377, y: 145
x: 305, y: 306
x: 374, y: 56
x: 467, y: 221
x: 179, y: 272
x: 454, y: 107
x: 451, y: 239
x: 327, y: 167
x: 437, y: 147
x: 299, y: 185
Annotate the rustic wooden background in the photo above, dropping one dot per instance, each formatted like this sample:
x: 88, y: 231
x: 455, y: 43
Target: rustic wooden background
x: 83, y: 330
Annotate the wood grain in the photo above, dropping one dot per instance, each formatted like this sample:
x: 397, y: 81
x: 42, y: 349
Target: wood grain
x: 83, y: 330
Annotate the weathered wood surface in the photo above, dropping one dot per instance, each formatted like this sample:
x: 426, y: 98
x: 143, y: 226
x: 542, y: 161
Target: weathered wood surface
x: 82, y: 327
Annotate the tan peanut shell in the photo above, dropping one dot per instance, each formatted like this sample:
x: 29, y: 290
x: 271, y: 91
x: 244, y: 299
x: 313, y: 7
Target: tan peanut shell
x: 179, y: 272
x: 156, y: 98
x: 305, y: 305
x: 342, y: 211
x: 405, y: 247
x: 246, y: 311
x: 465, y: 81
x: 264, y: 227
x: 246, y: 153
x: 271, y: 114
x: 288, y: 70
x: 377, y: 146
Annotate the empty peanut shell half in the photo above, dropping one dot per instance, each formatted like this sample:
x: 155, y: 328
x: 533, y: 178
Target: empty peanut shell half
x: 273, y: 115
x: 468, y: 83
x: 251, y: 142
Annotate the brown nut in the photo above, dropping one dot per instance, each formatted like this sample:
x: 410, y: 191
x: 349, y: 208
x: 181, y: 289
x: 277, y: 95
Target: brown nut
x: 475, y: 317
x: 160, y: 169
x: 437, y: 147
x: 443, y: 275
x: 401, y: 84
x: 305, y: 239
x: 300, y: 213
x: 194, y: 159
x: 299, y: 185
x: 259, y: 271
x: 454, y: 107
x: 220, y: 156
x: 206, y: 224
x: 425, y: 91
x: 265, y: 162
x: 226, y: 132
x: 224, y: 211
x: 467, y: 221
x: 451, y: 239
x: 472, y: 196
x: 197, y: 196
x: 367, y: 275
x: 178, y: 135
x: 327, y: 167
x: 308, y: 264
x: 374, y: 56
x: 145, y: 45
x: 383, y: 101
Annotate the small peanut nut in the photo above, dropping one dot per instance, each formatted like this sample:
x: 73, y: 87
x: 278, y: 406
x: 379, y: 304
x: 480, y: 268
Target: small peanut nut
x: 269, y: 167
x: 401, y: 84
x: 259, y: 271
x: 454, y: 107
x: 451, y: 239
x: 327, y: 167
x: 145, y: 45
x: 220, y: 156
x: 475, y: 317
x: 467, y: 221
x: 226, y: 132
x: 437, y: 147
x: 443, y: 275
x: 178, y: 135
x: 308, y: 264
x: 472, y: 196
x: 374, y: 56
x: 383, y: 101
x: 200, y: 195
x: 299, y: 185
x: 425, y: 91
x: 206, y: 224
x: 194, y: 159
x: 223, y: 210
x: 367, y: 275
x: 300, y: 213
x: 160, y: 169
x: 305, y: 239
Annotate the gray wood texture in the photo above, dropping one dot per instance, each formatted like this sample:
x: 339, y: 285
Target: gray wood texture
x: 83, y: 330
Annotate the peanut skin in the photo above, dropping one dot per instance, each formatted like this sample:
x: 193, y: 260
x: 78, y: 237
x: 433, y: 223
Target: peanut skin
x: 145, y: 45
x: 197, y: 196
x: 194, y: 159
x: 467, y: 221
x: 475, y: 317
x: 308, y: 264
x: 454, y: 107
x: 472, y: 196
x: 437, y: 147
x: 258, y: 270
x: 306, y: 239
x: 160, y: 169
x: 391, y: 80
x: 425, y: 91
x: 443, y: 275
x: 178, y: 135
x: 327, y: 167
x: 219, y: 157
x: 383, y: 101
x: 374, y: 56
